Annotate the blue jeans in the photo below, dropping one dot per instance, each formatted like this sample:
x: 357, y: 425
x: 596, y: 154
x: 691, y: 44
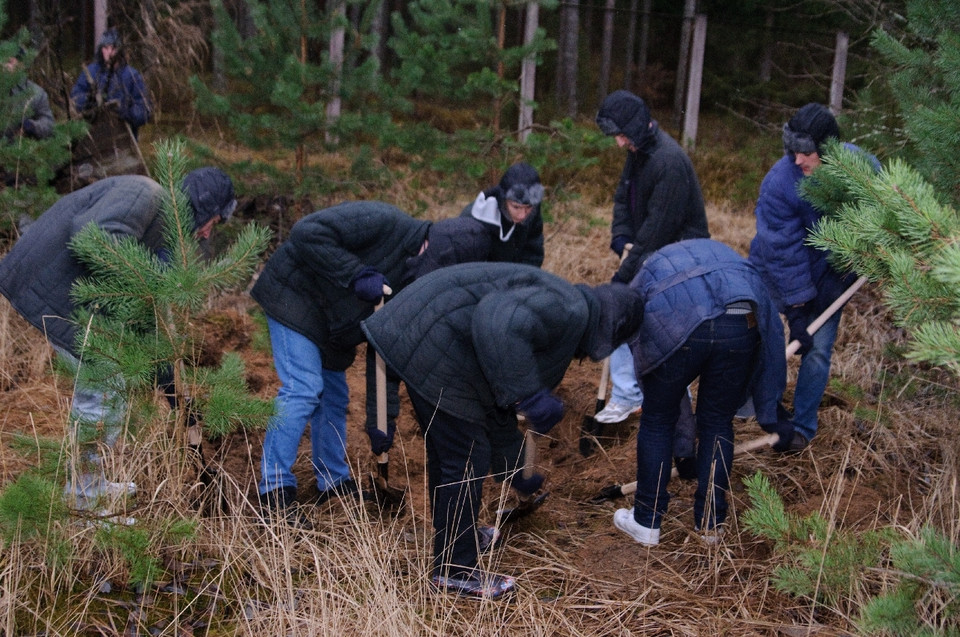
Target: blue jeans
x: 308, y: 393
x: 625, y: 389
x: 813, y: 376
x: 721, y: 352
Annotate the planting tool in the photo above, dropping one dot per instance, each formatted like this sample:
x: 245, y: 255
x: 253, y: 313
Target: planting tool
x: 528, y: 504
x: 818, y: 322
x: 590, y: 428
x: 380, y: 479
x: 617, y: 490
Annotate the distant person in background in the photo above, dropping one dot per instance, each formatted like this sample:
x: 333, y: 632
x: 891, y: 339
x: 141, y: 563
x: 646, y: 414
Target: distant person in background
x: 511, y: 212
x: 34, y: 118
x: 657, y: 202
x: 801, y: 280
x: 110, y: 83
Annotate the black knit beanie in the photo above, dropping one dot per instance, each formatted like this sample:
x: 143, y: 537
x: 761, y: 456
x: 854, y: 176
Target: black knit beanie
x: 809, y: 128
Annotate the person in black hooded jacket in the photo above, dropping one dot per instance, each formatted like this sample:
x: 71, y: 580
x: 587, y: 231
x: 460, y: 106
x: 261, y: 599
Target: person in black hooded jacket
x: 335, y: 267
x: 475, y: 344
x: 511, y: 213
x: 657, y: 202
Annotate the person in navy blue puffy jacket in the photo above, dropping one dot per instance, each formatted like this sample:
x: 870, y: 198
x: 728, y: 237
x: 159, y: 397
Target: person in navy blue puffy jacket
x: 110, y: 82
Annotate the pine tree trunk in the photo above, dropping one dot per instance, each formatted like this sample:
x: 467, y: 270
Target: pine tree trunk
x: 606, y: 51
x: 568, y: 58
x: 644, y: 42
x: 631, y: 40
x: 683, y: 62
x: 528, y: 74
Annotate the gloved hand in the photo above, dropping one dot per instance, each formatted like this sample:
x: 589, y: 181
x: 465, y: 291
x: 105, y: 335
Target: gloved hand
x: 783, y: 428
x: 798, y: 320
x: 618, y: 243
x: 527, y: 486
x: 686, y: 468
x: 543, y: 410
x: 381, y: 442
x: 29, y: 128
x: 368, y: 285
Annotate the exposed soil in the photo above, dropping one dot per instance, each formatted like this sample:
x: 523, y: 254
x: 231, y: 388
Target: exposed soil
x: 853, y: 473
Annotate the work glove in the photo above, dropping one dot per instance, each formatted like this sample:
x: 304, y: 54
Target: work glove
x: 526, y: 486
x: 29, y: 128
x: 686, y: 467
x: 381, y: 442
x: 783, y: 428
x: 543, y: 410
x: 368, y: 285
x: 798, y: 320
x: 618, y: 243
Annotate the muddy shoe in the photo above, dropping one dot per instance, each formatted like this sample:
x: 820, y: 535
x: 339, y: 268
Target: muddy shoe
x: 347, y: 490
x: 475, y: 583
x: 487, y: 537
x: 282, y: 504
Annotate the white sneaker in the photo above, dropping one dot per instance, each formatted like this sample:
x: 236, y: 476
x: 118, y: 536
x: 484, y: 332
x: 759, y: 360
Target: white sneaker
x: 623, y: 520
x: 616, y: 412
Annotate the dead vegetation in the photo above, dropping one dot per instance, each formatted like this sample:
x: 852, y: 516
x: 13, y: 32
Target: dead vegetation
x: 886, y: 457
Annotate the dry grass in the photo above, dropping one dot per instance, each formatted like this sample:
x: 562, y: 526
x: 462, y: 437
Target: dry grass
x: 886, y: 457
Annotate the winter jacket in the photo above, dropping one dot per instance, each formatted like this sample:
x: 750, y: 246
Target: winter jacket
x: 658, y: 199
x: 687, y: 283
x: 509, y: 242
x: 307, y: 284
x: 36, y: 118
x: 478, y: 337
x: 795, y: 272
x: 38, y: 272
x: 123, y: 85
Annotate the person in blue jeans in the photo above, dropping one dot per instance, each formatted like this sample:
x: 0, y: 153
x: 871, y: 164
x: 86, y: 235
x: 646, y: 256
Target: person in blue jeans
x: 336, y: 266
x: 707, y: 315
x: 799, y: 276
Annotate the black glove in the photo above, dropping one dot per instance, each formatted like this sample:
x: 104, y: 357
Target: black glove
x: 686, y: 468
x: 543, y: 410
x: 618, y: 243
x: 798, y: 320
x: 28, y: 128
x: 368, y: 285
x: 783, y: 428
x: 381, y: 442
x: 527, y: 486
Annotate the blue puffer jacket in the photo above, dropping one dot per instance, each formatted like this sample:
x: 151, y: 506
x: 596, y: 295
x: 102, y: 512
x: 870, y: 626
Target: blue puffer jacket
x: 794, y: 272
x: 123, y: 85
x: 687, y: 283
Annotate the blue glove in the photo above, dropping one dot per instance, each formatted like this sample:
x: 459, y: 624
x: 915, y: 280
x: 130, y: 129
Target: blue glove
x: 527, y: 486
x: 543, y: 410
x: 368, y: 285
x: 798, y: 320
x: 381, y: 442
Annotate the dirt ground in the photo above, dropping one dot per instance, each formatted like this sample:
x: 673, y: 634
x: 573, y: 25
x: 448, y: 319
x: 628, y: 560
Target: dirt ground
x: 839, y: 476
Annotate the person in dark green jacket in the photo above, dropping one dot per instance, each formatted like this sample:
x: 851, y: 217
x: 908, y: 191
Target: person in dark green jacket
x: 475, y: 344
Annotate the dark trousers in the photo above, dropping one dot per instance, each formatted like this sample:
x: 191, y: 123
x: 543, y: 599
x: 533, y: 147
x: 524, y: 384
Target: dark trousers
x: 721, y: 352
x: 459, y: 457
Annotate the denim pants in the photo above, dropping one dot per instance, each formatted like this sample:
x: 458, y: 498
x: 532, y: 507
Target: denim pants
x: 625, y: 389
x: 813, y: 376
x: 308, y: 393
x: 721, y: 353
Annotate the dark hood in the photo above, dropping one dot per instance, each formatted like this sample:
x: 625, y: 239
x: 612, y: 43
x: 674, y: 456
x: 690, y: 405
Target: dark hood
x: 623, y: 113
x: 619, y: 309
x: 450, y: 241
x: 211, y: 193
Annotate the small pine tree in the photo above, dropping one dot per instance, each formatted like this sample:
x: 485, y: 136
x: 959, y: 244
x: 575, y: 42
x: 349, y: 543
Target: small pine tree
x: 141, y: 310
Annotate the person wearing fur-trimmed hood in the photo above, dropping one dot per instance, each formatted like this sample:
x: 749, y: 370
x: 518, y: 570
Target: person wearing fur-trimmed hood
x: 511, y: 212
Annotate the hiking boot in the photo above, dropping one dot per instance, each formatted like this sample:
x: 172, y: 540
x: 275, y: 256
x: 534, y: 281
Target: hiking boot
x: 346, y: 490
x: 623, y: 520
x: 487, y: 537
x: 282, y: 503
x: 797, y: 444
x: 616, y: 412
x: 475, y: 583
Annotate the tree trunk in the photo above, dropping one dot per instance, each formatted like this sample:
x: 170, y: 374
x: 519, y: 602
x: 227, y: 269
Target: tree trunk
x: 689, y: 7
x: 644, y: 42
x: 766, y: 62
x: 570, y: 56
x: 378, y: 29
x: 501, y: 43
x: 528, y: 73
x: 337, y: 13
x: 628, y: 50
x: 606, y: 51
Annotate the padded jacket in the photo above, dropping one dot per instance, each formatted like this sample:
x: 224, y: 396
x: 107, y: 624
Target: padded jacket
x: 307, y: 283
x: 687, y: 283
x: 794, y: 272
x: 38, y: 272
x: 525, y: 243
x: 478, y: 337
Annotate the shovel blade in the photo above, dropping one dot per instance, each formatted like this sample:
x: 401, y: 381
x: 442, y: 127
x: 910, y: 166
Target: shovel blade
x: 522, y: 510
x: 612, y: 492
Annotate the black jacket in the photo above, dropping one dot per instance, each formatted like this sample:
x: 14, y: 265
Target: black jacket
x: 307, y: 283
